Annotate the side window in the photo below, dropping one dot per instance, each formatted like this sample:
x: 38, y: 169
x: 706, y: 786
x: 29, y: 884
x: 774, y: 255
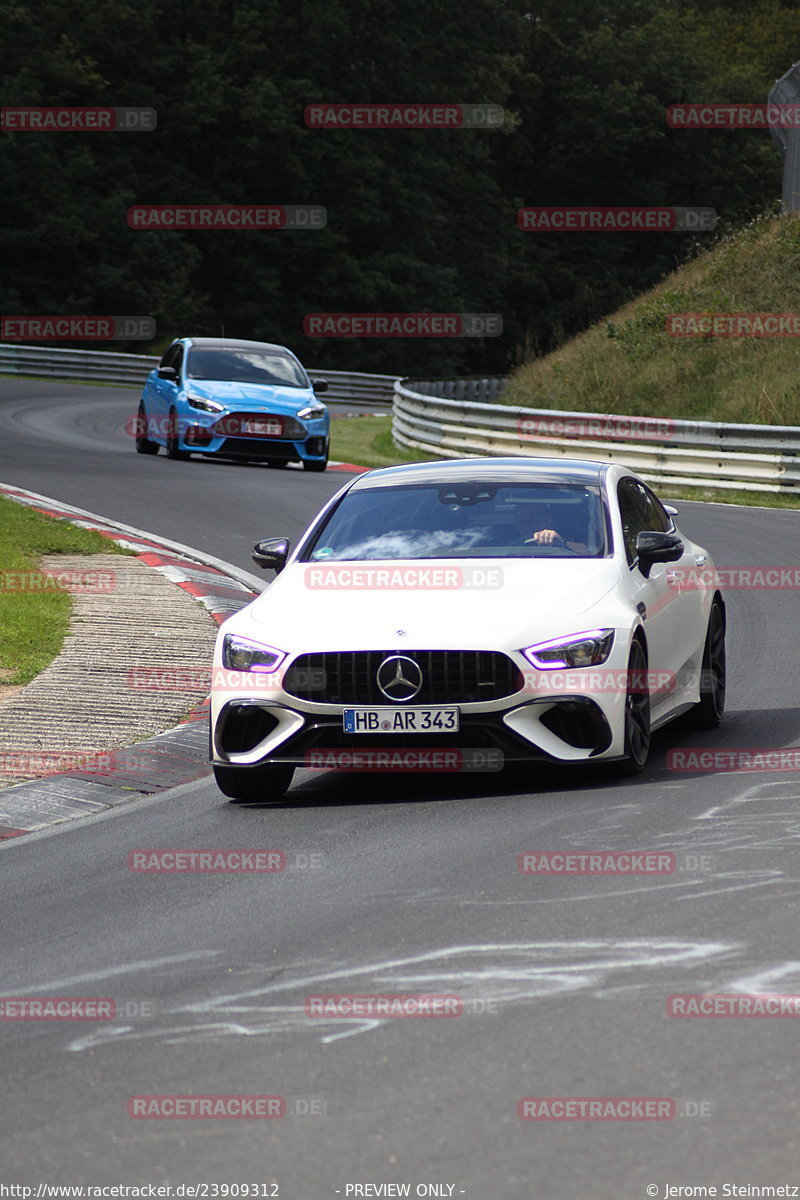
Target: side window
x: 632, y: 509
x: 173, y: 357
x: 656, y: 515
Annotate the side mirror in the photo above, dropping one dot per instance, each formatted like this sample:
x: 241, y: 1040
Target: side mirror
x: 168, y: 373
x: 653, y: 547
x: 271, y: 554
x: 319, y: 385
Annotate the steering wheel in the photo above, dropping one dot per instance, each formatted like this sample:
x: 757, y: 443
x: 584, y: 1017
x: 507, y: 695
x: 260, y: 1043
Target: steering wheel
x: 549, y: 547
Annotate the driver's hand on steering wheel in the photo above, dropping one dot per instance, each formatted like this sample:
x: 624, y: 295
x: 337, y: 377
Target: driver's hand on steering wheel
x: 546, y: 537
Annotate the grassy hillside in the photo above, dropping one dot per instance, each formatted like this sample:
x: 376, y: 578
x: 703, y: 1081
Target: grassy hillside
x: 629, y: 364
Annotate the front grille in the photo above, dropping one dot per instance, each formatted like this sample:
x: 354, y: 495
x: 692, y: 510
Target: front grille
x: 448, y: 676
x: 262, y: 448
x: 290, y: 428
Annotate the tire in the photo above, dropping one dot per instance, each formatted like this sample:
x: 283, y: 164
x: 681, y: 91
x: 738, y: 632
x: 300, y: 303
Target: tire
x: 254, y: 785
x: 708, y: 713
x: 143, y: 444
x: 173, y: 440
x: 637, y: 714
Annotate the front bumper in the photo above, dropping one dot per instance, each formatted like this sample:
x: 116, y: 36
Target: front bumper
x: 255, y: 725
x: 308, y: 441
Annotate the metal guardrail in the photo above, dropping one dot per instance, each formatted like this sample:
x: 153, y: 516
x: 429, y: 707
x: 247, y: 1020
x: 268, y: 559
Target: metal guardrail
x: 753, y: 458
x: 103, y: 366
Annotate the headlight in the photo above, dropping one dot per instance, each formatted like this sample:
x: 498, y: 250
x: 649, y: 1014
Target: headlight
x: 239, y: 654
x: 206, y: 405
x: 312, y: 412
x: 582, y: 650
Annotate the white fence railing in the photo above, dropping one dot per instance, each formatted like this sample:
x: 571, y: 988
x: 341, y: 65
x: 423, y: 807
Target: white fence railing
x: 753, y: 458
x: 102, y: 366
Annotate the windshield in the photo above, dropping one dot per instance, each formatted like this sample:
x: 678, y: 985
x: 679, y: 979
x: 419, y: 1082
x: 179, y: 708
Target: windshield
x: 464, y: 520
x: 246, y: 366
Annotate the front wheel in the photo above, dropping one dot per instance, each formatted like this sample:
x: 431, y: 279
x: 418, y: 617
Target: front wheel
x: 173, y: 438
x: 254, y: 785
x: 637, y: 714
x: 143, y: 443
x: 708, y: 713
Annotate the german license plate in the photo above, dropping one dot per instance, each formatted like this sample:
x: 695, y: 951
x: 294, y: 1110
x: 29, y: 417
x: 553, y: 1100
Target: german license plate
x: 262, y: 427
x: 401, y: 720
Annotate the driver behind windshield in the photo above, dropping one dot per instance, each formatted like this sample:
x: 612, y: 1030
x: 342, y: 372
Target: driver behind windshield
x: 537, y: 526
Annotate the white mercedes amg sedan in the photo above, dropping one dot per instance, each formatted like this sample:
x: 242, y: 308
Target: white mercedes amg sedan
x: 466, y: 615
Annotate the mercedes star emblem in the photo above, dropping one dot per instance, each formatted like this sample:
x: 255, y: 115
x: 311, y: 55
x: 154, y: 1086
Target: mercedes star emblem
x: 399, y: 678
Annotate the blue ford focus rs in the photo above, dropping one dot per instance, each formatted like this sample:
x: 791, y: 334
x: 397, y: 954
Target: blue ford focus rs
x: 233, y: 399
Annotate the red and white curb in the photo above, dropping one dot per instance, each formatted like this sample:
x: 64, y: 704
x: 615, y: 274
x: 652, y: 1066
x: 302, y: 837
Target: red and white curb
x: 221, y: 587
x: 178, y: 756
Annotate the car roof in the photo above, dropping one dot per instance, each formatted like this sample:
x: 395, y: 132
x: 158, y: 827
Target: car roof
x: 488, y: 470
x: 220, y: 343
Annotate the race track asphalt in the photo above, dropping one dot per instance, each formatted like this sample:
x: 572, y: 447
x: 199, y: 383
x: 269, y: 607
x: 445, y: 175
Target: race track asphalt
x: 406, y: 884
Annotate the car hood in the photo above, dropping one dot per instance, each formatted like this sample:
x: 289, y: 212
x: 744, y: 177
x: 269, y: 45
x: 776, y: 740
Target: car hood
x: 252, y: 397
x: 520, y: 603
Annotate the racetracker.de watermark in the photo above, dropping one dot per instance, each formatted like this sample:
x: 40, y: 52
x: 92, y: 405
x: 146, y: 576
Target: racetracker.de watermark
x: 80, y: 583
x: 733, y: 1004
x: 57, y: 1008
x: 758, y: 758
x: 733, y: 325
x: 611, y: 862
x: 401, y: 325
x: 402, y: 579
x: 207, y: 1107
x: 733, y: 116
x: 74, y: 1008
x: 599, y: 862
x: 39, y: 119
x: 611, y: 1108
x: 207, y: 862
x: 594, y: 681
x: 617, y: 219
x: 77, y: 329
x: 157, y: 679
x: 753, y: 579
x: 35, y: 764
x: 605, y: 427
x: 235, y: 425
x: 391, y: 1005
x: 394, y: 758
x: 234, y: 217
x: 404, y: 116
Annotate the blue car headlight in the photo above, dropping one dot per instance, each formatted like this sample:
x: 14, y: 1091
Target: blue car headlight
x: 204, y: 405
x: 239, y: 654
x: 312, y: 412
x: 587, y: 649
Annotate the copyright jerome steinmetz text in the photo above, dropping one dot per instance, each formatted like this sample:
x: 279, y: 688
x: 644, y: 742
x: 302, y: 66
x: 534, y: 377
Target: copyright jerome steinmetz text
x: 692, y: 1191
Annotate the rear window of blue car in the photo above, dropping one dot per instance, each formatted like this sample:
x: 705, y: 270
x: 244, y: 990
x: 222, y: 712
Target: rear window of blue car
x: 245, y: 366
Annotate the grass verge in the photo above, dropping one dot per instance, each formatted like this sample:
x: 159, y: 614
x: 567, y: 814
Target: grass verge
x: 33, y: 622
x: 630, y: 364
x: 367, y: 441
